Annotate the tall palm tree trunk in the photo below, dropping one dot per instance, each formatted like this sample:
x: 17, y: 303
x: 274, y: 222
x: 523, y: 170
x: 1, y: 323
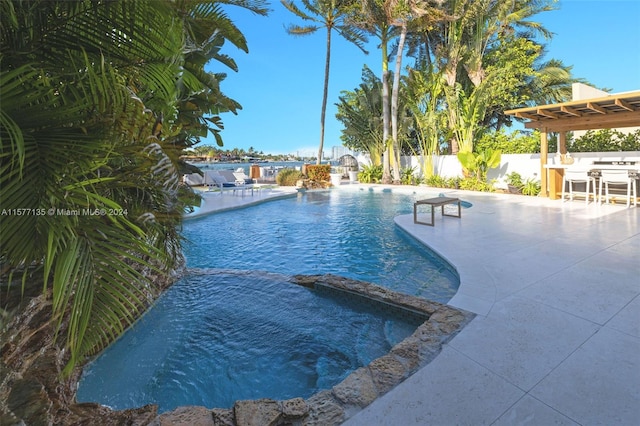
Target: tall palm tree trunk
x: 386, y: 117
x: 394, y: 102
x: 324, y: 96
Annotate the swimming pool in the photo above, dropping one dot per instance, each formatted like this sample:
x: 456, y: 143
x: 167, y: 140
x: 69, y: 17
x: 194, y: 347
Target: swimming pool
x: 348, y: 233
x: 192, y: 347
x: 257, y: 336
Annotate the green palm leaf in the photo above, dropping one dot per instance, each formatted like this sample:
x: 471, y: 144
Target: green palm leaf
x: 98, y: 101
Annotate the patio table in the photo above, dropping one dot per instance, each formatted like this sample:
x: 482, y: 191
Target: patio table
x: 433, y: 203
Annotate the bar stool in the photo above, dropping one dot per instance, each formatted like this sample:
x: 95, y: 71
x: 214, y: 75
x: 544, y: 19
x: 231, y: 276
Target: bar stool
x: 578, y: 176
x: 618, y: 177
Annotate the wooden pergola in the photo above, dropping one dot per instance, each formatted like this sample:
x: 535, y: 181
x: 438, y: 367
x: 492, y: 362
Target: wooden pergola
x: 609, y: 112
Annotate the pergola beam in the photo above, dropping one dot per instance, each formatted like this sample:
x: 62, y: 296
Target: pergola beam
x: 624, y: 104
x: 589, y: 122
x: 597, y: 108
x: 526, y: 115
x: 570, y: 111
x: 603, y: 107
x: 548, y: 113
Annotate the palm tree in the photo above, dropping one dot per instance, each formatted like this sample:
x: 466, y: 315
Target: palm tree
x: 333, y: 15
x: 493, y: 19
x: 206, y: 29
x: 460, y: 46
x: 536, y: 81
x: 402, y: 13
x: 552, y: 83
x: 373, y: 19
x: 90, y: 93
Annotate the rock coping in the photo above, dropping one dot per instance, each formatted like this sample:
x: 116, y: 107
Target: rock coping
x: 358, y: 389
x: 33, y: 396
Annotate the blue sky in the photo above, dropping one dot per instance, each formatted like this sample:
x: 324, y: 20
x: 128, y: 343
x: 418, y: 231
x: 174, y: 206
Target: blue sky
x: 279, y: 83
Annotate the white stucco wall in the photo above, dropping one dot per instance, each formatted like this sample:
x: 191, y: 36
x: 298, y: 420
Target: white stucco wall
x: 527, y: 165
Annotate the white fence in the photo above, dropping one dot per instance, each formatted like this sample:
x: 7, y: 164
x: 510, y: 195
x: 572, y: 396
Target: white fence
x: 527, y: 165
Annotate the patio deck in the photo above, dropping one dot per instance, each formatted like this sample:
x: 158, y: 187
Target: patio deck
x: 557, y: 339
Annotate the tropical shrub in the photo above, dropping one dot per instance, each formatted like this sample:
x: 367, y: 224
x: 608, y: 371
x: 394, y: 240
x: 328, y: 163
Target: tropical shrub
x: 319, y: 172
x: 629, y: 141
x: 99, y: 99
x: 475, y: 184
x: 514, y: 179
x: 605, y: 140
x: 436, y: 181
x: 407, y: 176
x: 453, y: 182
x: 528, y: 187
x: 531, y: 187
x: 514, y: 143
x: 477, y: 164
x: 288, y: 177
x: 370, y: 174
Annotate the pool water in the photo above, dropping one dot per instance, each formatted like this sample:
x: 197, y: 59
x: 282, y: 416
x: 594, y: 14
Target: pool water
x: 231, y: 330
x: 348, y: 233
x: 257, y: 336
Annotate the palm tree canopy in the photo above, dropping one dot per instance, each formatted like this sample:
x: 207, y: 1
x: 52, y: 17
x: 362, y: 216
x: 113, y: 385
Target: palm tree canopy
x: 334, y: 15
x: 330, y: 14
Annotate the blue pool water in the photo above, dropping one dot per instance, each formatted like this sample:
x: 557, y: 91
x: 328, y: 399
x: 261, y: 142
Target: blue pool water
x: 348, y: 233
x: 230, y: 330
x: 257, y: 336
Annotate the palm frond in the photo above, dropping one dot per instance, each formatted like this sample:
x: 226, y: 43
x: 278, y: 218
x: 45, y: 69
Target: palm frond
x: 293, y: 8
x: 98, y: 100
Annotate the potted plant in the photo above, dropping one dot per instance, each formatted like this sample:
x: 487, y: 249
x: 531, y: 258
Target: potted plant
x: 514, y: 183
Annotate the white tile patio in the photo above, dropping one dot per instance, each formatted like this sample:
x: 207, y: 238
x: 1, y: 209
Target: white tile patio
x: 556, y: 287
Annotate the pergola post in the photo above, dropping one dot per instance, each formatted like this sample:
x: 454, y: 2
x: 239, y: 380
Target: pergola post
x: 544, y: 151
x: 562, y: 142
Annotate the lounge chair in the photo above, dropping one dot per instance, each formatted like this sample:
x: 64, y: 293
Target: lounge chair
x: 241, y: 176
x: 240, y: 179
x: 250, y: 183
x: 229, y: 175
x: 215, y: 179
x: 193, y: 179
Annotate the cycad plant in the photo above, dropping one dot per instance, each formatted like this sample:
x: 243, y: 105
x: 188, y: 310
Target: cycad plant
x: 94, y: 97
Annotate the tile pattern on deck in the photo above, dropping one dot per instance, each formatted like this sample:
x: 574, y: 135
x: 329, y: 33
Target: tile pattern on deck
x: 557, y: 340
